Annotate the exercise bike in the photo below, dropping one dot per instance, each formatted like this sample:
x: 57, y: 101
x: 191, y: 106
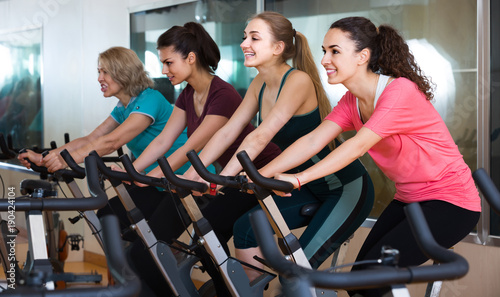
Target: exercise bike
x: 39, y: 260
x: 300, y: 279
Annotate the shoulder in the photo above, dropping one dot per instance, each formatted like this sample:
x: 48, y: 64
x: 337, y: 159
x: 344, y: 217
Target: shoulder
x: 402, y: 88
x: 219, y: 84
x: 299, y: 80
x: 151, y: 95
x: 403, y: 84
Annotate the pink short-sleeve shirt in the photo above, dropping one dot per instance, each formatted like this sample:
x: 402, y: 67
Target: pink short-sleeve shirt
x: 417, y: 151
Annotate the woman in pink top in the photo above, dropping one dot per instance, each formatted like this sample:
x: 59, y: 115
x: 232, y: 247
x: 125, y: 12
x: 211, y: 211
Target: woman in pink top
x: 389, y: 105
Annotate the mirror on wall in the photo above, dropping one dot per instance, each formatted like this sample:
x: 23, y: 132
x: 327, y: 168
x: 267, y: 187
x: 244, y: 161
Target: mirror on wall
x: 21, y: 117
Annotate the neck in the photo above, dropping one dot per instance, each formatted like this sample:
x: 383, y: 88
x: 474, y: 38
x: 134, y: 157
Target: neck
x: 272, y: 75
x: 124, y: 99
x: 200, y: 81
x: 363, y: 86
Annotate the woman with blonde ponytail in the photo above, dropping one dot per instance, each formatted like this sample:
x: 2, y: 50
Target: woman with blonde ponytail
x: 290, y: 102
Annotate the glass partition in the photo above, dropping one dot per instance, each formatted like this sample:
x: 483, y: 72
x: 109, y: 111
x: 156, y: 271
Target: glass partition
x: 20, y: 87
x: 442, y: 37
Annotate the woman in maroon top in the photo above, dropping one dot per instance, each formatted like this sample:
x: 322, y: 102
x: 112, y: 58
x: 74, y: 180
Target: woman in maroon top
x: 189, y: 54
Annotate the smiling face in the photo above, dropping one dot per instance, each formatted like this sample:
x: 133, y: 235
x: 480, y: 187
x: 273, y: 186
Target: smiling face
x: 258, y: 44
x: 341, y: 60
x: 175, y: 67
x: 109, y: 87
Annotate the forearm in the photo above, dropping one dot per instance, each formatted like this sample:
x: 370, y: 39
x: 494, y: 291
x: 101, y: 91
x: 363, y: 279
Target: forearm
x: 253, y: 145
x: 296, y: 154
x: 339, y: 158
x: 156, y: 149
x: 101, y: 145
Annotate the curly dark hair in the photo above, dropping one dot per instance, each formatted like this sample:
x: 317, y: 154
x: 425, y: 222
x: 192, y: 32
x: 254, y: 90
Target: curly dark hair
x: 390, y: 54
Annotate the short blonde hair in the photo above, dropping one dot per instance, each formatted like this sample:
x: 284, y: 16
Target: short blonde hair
x: 126, y: 69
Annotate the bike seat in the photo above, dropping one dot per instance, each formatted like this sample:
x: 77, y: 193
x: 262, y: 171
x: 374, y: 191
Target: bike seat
x: 29, y: 186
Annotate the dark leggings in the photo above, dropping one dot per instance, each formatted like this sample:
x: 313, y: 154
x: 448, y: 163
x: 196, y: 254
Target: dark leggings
x: 448, y: 223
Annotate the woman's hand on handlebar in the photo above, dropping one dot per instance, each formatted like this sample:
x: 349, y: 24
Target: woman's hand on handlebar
x: 191, y: 174
x: 32, y: 156
x: 288, y: 178
x: 53, y: 161
x: 115, y: 167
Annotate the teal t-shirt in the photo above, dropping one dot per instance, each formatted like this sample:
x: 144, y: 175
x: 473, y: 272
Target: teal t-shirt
x: 150, y: 103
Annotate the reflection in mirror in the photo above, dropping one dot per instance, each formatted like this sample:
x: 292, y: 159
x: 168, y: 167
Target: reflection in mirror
x: 20, y: 87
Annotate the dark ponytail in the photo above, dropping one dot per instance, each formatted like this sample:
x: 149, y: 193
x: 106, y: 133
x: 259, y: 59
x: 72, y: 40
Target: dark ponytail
x: 192, y: 37
x: 390, y: 55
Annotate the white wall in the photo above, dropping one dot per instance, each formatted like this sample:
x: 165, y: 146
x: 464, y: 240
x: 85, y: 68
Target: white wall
x: 74, y: 33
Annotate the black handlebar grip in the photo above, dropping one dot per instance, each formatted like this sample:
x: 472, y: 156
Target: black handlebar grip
x: 488, y: 188
x: 108, y: 172
x: 53, y: 144
x: 71, y: 162
x: 179, y: 182
x: 66, y: 137
x: 209, y: 176
x: 257, y: 178
x: 144, y: 179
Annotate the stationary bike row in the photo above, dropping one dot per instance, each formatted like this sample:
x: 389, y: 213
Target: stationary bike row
x: 230, y: 268
x: 41, y: 276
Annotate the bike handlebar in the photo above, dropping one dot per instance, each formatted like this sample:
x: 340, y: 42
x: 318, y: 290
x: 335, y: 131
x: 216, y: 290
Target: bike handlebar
x: 257, y: 178
x: 108, y: 172
x: 488, y: 188
x: 63, y: 173
x: 180, y: 182
x: 452, y: 265
x: 98, y: 200
x: 228, y: 181
x: 134, y: 175
x: 71, y: 162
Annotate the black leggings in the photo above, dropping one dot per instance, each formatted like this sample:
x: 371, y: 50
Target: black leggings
x: 448, y: 223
